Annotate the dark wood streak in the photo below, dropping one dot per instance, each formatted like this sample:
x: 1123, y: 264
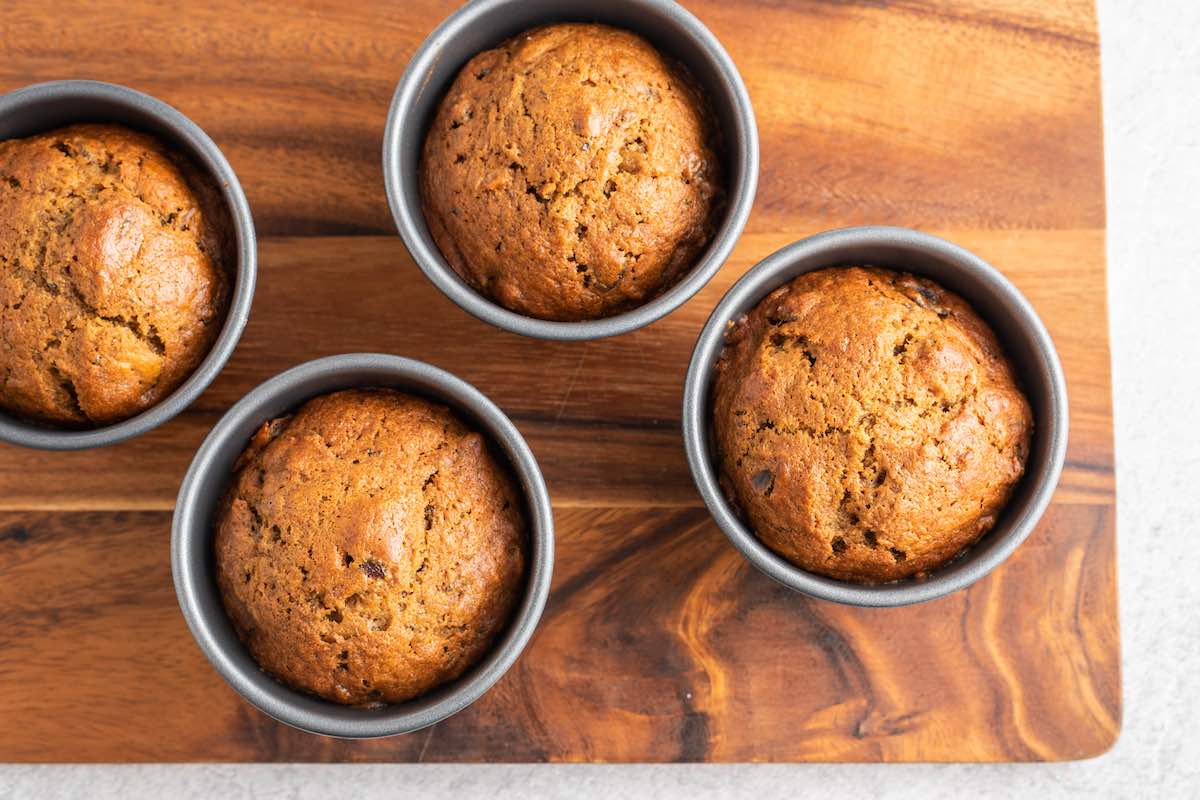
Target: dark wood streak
x: 675, y: 527
x: 997, y: 717
x: 693, y: 734
x: 1097, y: 467
x: 866, y: 728
x: 853, y: 676
x: 1001, y: 714
x: 541, y: 741
x: 947, y: 11
x: 259, y: 731
x: 1098, y: 529
x: 280, y: 224
x: 628, y: 424
x: 17, y: 534
x: 1094, y: 555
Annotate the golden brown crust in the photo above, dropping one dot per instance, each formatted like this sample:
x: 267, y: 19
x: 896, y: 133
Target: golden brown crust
x: 868, y: 424
x: 112, y: 282
x: 370, y: 547
x: 570, y: 172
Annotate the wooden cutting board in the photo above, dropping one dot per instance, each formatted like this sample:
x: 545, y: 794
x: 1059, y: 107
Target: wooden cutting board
x: 975, y: 119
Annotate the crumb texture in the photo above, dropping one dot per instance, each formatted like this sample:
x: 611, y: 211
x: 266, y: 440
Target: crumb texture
x: 370, y: 548
x: 868, y: 425
x: 112, y: 281
x: 570, y: 173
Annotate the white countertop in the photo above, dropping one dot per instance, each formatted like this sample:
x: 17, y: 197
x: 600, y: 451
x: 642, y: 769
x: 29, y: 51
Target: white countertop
x: 1151, y: 66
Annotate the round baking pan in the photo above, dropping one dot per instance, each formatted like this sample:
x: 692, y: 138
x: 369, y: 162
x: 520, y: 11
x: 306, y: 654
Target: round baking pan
x: 994, y: 298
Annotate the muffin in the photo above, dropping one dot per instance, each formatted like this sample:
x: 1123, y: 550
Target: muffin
x: 868, y: 425
x: 571, y: 173
x: 370, y: 548
x: 113, y: 281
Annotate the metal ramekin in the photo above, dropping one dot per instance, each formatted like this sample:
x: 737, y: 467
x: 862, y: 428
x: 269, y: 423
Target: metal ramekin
x: 45, y: 106
x: 481, y: 24
x: 1022, y: 335
x: 192, y: 559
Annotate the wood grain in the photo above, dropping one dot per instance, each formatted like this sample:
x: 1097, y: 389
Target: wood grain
x: 928, y: 113
x: 618, y: 401
x: 660, y: 642
x: 978, y: 120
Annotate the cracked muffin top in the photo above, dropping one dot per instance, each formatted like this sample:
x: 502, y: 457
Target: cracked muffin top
x: 570, y: 173
x: 868, y: 425
x: 112, y: 279
x: 370, y: 548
